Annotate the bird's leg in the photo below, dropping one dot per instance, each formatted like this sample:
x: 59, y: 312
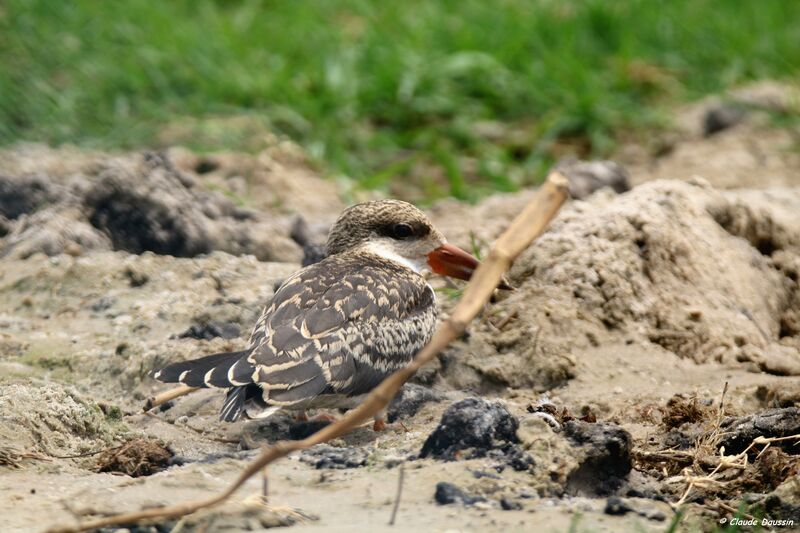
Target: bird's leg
x: 380, y: 424
x: 380, y: 420
x: 301, y: 416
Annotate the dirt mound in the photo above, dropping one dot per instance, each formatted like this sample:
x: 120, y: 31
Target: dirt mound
x: 52, y: 420
x: 705, y: 275
x: 743, y: 148
x: 137, y: 203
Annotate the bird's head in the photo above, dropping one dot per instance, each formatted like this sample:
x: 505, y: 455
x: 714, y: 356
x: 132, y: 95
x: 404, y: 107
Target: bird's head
x: 399, y: 231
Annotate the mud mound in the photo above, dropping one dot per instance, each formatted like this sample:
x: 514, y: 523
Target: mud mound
x: 134, y: 203
x: 53, y: 420
x: 671, y: 263
x: 153, y: 207
x: 731, y: 140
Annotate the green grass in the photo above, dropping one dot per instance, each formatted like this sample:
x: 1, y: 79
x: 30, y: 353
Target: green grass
x: 423, y: 98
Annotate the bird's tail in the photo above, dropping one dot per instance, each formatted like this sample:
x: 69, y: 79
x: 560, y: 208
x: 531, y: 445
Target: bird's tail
x: 222, y: 370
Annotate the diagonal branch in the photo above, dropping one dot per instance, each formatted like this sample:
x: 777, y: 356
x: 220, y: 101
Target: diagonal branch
x: 526, y: 227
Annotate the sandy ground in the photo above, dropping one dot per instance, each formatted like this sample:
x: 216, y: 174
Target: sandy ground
x: 632, y: 312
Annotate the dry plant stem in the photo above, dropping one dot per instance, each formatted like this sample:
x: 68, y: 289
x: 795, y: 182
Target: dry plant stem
x: 526, y: 227
x: 739, y: 461
x: 164, y: 397
x: 400, y: 478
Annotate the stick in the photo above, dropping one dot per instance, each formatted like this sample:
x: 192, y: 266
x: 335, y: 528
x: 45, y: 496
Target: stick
x: 527, y: 226
x: 265, y: 485
x: 164, y: 397
x: 400, y: 479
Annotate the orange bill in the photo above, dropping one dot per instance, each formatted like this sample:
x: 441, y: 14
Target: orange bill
x: 452, y: 261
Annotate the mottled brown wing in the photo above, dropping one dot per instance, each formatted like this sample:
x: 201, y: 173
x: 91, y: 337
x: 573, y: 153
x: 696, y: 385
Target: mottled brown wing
x: 339, y: 327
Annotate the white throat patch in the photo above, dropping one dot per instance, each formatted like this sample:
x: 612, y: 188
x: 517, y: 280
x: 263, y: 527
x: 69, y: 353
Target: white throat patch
x: 384, y: 251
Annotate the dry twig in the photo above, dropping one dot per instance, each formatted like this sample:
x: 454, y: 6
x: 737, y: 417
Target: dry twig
x: 400, y: 478
x: 166, y: 396
x: 526, y: 227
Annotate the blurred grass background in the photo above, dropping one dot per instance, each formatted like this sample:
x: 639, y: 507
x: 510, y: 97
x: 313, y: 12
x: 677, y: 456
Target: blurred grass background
x: 430, y: 97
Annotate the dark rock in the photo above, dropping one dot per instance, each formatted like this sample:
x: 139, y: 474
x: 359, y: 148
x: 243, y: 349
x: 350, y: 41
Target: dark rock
x: 739, y: 432
x: 606, y: 460
x: 586, y: 177
x: 447, y: 493
x: 409, y: 400
x: 509, y: 505
x: 211, y: 330
x: 471, y: 424
x: 324, y: 456
x: 518, y: 459
x: 20, y: 195
x: 617, y: 506
x: 722, y: 117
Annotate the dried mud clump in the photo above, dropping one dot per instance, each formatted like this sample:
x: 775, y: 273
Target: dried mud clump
x: 471, y: 428
x: 138, y: 457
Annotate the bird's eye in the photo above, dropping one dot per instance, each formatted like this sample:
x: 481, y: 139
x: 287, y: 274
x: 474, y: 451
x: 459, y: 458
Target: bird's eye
x: 402, y: 231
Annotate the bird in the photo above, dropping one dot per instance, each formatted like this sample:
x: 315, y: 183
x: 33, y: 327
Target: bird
x: 336, y: 328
